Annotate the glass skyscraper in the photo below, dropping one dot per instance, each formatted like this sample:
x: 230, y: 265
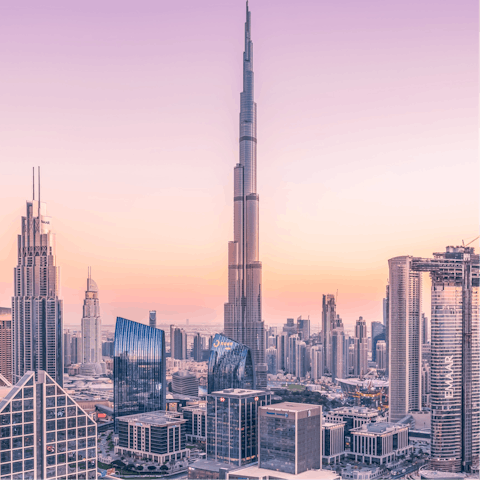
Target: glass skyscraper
x: 243, y: 311
x: 139, y: 369
x: 230, y: 365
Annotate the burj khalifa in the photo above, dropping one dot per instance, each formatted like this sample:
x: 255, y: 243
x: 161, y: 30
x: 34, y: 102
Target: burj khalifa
x: 243, y: 312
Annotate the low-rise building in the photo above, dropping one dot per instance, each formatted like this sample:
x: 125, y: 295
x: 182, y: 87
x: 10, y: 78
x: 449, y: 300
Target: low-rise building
x: 158, y: 436
x: 380, y: 442
x: 196, y: 426
x: 333, y: 443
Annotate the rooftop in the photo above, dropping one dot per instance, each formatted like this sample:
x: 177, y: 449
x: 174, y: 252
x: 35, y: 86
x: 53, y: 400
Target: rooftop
x: 262, y: 473
x: 290, y: 407
x: 378, y: 428
x: 159, y: 417
x: 359, y: 411
x: 238, y: 392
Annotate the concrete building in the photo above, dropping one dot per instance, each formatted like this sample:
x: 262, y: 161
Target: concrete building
x: 328, y: 323
x: 317, y: 362
x: 301, y: 360
x: 378, y: 334
x: 157, y: 436
x: 303, y: 328
x: 333, y: 442
x: 379, y: 443
x: 5, y: 345
x: 289, y: 438
x: 37, y: 317
x: 381, y: 355
x: 404, y: 338
x: 282, y: 351
x: 360, y: 365
x: 338, y: 362
x: 292, y: 353
x: 185, y: 383
x: 44, y: 432
x: 91, y: 324
x: 271, y: 359
x: 178, y: 343
x: 232, y: 426
x: 243, y: 311
x: 196, y: 426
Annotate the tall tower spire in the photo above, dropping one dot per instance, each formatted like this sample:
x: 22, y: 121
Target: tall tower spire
x: 243, y: 312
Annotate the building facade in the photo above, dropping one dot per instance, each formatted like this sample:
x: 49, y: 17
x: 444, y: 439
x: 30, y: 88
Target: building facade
x: 91, y: 324
x: 178, y: 343
x: 232, y: 425
x: 243, y: 312
x: 230, y: 365
x: 185, y: 383
x: 360, y: 365
x: 37, y: 311
x: 44, y: 433
x: 333, y: 442
x: 339, y: 356
x: 381, y: 355
x: 196, y: 426
x: 328, y: 324
x: 152, y: 318
x: 378, y: 333
x: 405, y: 346
x: 139, y: 370
x: 289, y: 437
x: 5, y: 345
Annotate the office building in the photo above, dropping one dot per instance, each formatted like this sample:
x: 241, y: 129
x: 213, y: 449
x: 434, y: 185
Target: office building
x: 108, y: 348
x: 198, y: 347
x: 381, y: 355
x: 91, y: 324
x: 243, y: 312
x: 5, y: 346
x: 292, y: 353
x: 378, y: 333
x: 360, y: 364
x: 230, y: 365
x: 405, y: 347
x: 333, y: 442
x: 317, y: 369
x: 178, y: 343
x: 290, y: 437
x: 303, y: 328
x: 185, y: 383
x: 232, y: 425
x: 328, y: 324
x: 282, y: 351
x: 152, y: 318
x: 301, y: 360
x: 196, y: 425
x: 37, y: 316
x: 44, y: 432
x: 139, y: 371
x: 337, y: 348
x: 379, y: 443
x: 290, y: 328
x: 271, y: 359
x: 156, y: 436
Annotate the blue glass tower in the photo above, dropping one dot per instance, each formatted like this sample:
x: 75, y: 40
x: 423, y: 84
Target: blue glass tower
x: 230, y: 365
x: 139, y: 369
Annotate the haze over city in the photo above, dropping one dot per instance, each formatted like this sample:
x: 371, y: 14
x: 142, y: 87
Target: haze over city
x: 368, y: 125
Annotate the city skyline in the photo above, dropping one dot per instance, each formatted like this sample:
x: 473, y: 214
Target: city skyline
x: 378, y: 147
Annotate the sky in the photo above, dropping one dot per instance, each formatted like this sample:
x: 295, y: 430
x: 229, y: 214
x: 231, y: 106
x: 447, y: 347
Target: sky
x: 367, y: 146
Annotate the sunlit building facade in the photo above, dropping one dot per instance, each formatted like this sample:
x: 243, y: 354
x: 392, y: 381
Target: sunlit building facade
x: 230, y: 365
x: 91, y: 324
x: 139, y: 369
x: 243, y: 311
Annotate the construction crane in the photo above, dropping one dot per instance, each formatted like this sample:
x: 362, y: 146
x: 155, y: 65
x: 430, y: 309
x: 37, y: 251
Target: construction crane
x: 463, y: 243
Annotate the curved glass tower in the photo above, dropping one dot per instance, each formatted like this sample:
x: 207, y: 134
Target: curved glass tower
x: 230, y: 365
x: 243, y: 312
x: 138, y: 368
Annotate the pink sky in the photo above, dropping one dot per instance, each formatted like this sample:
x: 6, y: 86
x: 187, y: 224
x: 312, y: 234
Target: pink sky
x: 367, y: 146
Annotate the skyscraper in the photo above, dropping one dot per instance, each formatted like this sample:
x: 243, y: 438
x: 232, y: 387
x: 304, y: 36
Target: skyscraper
x: 91, y: 324
x: 361, y: 348
x: 37, y: 316
x: 404, y: 338
x: 178, y: 343
x: 139, y: 371
x: 338, y: 360
x: 152, y: 318
x: 328, y: 320
x: 243, y: 312
x: 378, y: 333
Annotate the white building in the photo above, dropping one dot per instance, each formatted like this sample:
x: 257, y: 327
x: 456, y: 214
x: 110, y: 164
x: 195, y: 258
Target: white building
x: 333, y: 442
x: 91, y: 324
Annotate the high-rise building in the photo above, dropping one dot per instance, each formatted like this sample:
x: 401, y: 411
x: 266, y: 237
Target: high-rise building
x: 271, y: 359
x: 378, y: 333
x: 44, y: 432
x: 425, y: 329
x: 232, y: 425
x: 198, y: 347
x: 108, y: 349
x: 243, y: 312
x: 185, y: 383
x: 289, y: 439
x: 317, y: 362
x: 282, y: 351
x: 178, y: 343
x: 303, y: 328
x: 37, y: 317
x: 360, y: 365
x: 338, y: 350
x: 301, y: 359
x: 292, y: 353
x: 328, y: 321
x: 139, y: 371
x: 152, y: 318
x: 91, y: 324
x: 381, y: 354
x: 230, y: 365
x: 5, y: 345
x: 386, y: 313
x: 405, y: 348
x: 290, y: 328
